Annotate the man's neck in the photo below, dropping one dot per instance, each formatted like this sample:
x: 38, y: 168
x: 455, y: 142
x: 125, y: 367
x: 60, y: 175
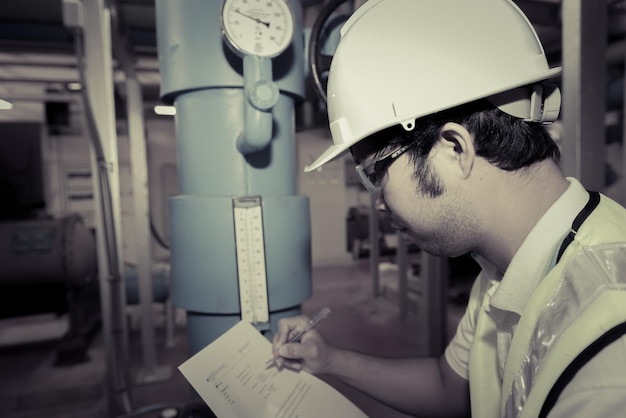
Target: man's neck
x: 523, y: 198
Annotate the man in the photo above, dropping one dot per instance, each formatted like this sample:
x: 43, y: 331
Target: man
x: 442, y: 105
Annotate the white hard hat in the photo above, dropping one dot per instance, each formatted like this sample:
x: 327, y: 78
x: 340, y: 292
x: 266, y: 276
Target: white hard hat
x: 399, y: 60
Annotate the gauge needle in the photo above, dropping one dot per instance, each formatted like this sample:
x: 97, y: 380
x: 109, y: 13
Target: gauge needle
x: 257, y: 20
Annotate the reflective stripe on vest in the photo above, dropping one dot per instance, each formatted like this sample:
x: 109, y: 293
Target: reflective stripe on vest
x: 589, y: 276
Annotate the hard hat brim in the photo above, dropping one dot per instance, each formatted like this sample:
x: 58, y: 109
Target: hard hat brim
x: 335, y: 151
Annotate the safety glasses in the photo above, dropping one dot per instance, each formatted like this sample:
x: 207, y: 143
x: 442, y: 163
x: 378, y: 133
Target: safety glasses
x: 372, y: 174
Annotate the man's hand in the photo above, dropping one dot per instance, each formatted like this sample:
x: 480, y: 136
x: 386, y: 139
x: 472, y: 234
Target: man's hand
x: 312, y: 354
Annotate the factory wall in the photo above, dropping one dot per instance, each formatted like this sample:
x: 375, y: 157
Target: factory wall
x: 328, y: 200
x: 68, y: 185
x: 68, y: 181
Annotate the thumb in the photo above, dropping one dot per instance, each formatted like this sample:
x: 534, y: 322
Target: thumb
x: 291, y: 351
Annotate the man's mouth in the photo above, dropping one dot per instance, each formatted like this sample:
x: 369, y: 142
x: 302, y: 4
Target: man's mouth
x: 397, y: 226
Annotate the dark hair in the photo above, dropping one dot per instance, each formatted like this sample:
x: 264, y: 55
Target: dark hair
x: 505, y: 141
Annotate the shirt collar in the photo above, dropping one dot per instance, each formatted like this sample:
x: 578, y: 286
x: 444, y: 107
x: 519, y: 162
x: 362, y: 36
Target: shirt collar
x: 536, y: 255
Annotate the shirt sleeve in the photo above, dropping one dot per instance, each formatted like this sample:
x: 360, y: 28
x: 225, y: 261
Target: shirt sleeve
x: 457, y: 351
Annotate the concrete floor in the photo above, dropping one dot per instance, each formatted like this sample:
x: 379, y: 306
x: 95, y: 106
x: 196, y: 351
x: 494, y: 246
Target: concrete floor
x: 32, y: 387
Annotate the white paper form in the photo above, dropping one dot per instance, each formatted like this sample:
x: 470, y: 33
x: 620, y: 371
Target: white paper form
x: 232, y: 377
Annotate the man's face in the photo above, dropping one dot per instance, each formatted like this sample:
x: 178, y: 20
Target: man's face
x: 420, y: 204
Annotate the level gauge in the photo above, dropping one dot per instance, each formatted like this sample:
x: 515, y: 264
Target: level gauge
x: 258, y: 27
x: 250, y: 249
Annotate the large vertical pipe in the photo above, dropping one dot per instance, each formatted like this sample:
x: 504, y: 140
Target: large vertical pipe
x: 137, y: 141
x: 584, y: 90
x: 150, y: 372
x: 204, y: 80
x: 100, y: 107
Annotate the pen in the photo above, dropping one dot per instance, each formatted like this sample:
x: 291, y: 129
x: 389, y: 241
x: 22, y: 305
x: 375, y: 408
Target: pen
x: 309, y: 326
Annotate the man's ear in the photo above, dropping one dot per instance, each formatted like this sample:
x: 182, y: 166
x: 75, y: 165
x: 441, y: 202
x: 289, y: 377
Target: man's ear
x: 460, y: 143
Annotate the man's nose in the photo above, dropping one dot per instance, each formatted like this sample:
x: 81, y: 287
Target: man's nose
x: 379, y: 202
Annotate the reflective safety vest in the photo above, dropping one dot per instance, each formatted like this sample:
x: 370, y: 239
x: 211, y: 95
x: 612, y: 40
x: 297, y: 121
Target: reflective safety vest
x: 578, y: 301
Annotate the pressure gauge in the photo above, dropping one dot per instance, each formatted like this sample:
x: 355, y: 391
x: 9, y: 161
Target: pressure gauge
x: 258, y: 27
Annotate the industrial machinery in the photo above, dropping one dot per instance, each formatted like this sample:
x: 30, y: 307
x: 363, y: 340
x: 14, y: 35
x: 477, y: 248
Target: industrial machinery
x: 240, y: 241
x: 49, y: 265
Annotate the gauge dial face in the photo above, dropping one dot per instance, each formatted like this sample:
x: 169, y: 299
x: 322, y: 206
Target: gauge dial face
x: 258, y: 27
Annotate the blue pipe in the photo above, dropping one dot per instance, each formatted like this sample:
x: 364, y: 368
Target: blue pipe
x: 221, y: 155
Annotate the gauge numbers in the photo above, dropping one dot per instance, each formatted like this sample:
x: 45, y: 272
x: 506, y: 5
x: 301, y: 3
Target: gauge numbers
x: 258, y: 27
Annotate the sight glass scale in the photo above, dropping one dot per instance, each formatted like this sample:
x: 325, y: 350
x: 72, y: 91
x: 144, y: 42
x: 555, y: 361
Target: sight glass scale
x: 251, y: 269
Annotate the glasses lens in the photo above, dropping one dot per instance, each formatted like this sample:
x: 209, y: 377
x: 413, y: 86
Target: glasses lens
x: 372, y: 175
x: 380, y: 169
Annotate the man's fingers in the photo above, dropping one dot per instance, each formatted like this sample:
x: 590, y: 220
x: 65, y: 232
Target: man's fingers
x: 286, y: 326
x: 299, y: 351
x: 292, y: 364
x: 290, y: 351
